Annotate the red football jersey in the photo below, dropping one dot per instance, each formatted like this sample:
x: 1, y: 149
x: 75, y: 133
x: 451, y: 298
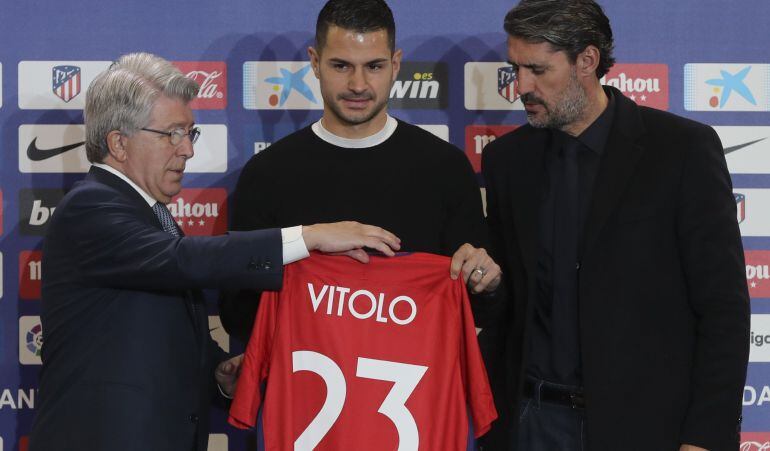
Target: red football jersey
x: 377, y: 356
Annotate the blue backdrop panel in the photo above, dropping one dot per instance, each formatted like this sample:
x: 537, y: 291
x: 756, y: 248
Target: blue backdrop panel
x: 667, y: 51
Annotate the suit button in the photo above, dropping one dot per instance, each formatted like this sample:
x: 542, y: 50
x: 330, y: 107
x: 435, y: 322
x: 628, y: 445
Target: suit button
x: 267, y: 265
x: 193, y: 418
x: 252, y: 265
x: 577, y: 266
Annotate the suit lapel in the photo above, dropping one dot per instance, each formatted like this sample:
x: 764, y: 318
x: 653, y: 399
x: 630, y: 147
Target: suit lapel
x: 104, y: 177
x: 527, y: 192
x: 622, y: 153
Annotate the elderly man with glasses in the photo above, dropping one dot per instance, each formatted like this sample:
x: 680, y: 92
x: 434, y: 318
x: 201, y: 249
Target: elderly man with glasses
x: 128, y: 362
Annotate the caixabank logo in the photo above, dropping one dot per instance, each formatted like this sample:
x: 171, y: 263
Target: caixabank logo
x: 491, y: 86
x: 755, y: 441
x: 30, y: 340
x: 478, y: 136
x: 212, y: 78
x: 280, y: 85
x: 420, y: 85
x: 645, y: 84
x: 200, y: 211
x: 49, y: 85
x: 47, y: 148
x: 36, y: 206
x: 30, y: 275
x: 746, y: 148
x: 727, y: 87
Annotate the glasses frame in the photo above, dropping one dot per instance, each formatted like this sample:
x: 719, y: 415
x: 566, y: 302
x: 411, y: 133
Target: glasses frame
x: 177, y: 134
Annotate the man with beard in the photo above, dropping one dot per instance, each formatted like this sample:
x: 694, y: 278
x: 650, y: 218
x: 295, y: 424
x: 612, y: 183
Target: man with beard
x: 359, y: 163
x: 616, y: 229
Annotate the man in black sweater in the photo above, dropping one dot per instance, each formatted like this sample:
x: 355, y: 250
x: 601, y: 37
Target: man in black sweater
x: 359, y: 163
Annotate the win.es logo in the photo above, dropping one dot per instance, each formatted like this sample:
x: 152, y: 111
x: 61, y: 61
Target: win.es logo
x: 420, y: 85
x: 212, y: 78
x: 645, y: 84
x: 478, y: 136
x: 35, y: 209
x: 755, y: 441
x: 200, y: 211
x: 30, y: 275
x: 280, y: 85
x: 727, y: 87
x: 30, y: 340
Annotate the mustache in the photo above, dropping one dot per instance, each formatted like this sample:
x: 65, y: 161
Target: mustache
x: 531, y: 98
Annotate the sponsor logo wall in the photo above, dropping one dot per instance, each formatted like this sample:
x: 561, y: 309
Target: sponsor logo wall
x: 257, y: 86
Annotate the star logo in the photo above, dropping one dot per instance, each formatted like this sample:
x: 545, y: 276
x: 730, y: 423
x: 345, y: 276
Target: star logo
x: 290, y: 81
x: 729, y: 83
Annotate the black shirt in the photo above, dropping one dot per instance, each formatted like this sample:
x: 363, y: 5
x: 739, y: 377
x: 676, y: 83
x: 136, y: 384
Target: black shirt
x: 554, y: 346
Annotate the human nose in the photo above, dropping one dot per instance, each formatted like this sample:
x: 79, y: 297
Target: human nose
x: 357, y: 81
x: 185, y: 148
x: 524, y: 82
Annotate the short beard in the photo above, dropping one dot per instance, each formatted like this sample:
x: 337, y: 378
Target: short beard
x: 354, y: 120
x: 565, y: 111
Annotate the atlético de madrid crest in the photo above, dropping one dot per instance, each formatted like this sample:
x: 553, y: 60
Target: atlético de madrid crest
x: 507, y: 85
x: 66, y: 82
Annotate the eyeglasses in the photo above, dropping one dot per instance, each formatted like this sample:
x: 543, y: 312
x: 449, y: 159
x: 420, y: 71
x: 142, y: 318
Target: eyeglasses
x: 176, y: 135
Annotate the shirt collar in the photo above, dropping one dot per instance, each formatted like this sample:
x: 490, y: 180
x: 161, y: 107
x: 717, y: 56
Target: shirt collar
x: 370, y: 141
x: 149, y: 199
x: 595, y: 136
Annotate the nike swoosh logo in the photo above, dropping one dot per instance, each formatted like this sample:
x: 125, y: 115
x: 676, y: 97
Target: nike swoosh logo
x: 741, y: 146
x: 36, y: 154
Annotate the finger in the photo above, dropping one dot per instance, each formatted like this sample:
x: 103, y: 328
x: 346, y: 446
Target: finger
x: 358, y: 254
x: 374, y: 243
x: 469, y: 267
x: 458, y: 260
x: 381, y: 235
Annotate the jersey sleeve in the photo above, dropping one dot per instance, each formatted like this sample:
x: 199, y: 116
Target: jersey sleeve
x: 255, y: 365
x: 477, y: 390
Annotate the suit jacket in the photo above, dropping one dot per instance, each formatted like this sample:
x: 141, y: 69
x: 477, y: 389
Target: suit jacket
x: 127, y: 357
x: 663, y: 303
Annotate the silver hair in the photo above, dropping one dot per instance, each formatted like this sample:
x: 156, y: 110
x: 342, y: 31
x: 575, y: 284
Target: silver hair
x: 122, y: 97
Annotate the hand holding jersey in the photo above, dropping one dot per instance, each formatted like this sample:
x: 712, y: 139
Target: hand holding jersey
x: 479, y: 271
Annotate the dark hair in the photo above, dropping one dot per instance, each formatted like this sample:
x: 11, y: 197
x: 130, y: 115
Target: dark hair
x: 362, y: 16
x: 568, y: 25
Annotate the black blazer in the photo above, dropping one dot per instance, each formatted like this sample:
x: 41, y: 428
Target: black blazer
x: 663, y: 302
x: 127, y: 357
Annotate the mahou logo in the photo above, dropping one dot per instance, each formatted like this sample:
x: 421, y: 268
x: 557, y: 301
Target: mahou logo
x: 478, y: 136
x: 755, y: 441
x: 212, y: 78
x: 758, y: 273
x: 200, y: 211
x: 30, y: 274
x: 645, y: 84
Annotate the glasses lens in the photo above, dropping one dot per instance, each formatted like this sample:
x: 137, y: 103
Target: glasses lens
x: 195, y: 132
x: 176, y: 136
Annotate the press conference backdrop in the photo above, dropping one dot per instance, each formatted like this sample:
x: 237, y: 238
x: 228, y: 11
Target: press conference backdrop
x: 704, y: 59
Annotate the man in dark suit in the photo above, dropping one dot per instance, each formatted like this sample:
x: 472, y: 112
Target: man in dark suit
x: 128, y: 362
x: 615, y: 225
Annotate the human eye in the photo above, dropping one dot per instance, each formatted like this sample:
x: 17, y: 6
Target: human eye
x: 339, y: 66
x: 374, y: 67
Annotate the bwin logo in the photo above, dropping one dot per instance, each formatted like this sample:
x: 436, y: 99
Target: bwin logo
x: 36, y: 206
x: 422, y: 86
x: 40, y: 214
